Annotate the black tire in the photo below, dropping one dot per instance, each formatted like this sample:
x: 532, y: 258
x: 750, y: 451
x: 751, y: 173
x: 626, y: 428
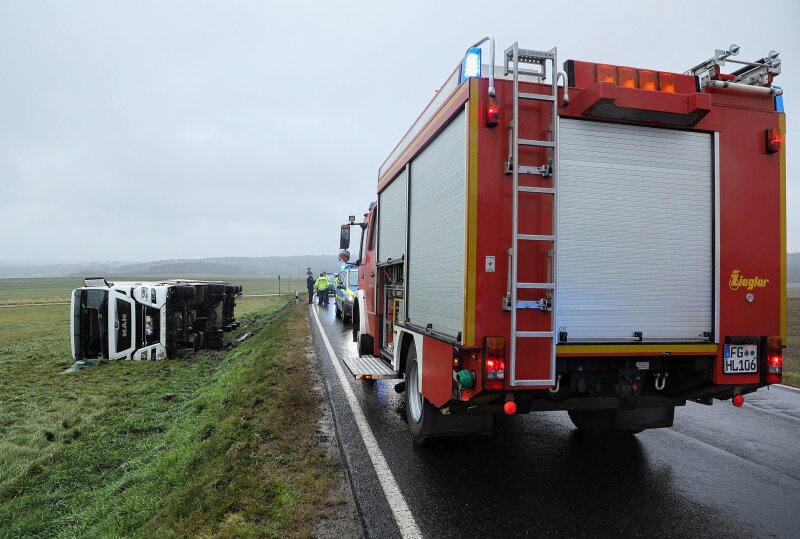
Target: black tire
x: 598, y: 423
x: 339, y: 313
x: 182, y: 293
x: 419, y: 412
x: 216, y: 288
x: 365, y: 344
x: 426, y: 423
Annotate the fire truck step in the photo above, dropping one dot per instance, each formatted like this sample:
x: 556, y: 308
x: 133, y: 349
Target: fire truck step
x: 544, y: 170
x: 369, y: 368
x: 537, y: 97
x: 540, y: 143
x: 536, y: 237
x: 536, y: 334
x: 541, y: 286
x: 540, y: 305
x: 541, y: 190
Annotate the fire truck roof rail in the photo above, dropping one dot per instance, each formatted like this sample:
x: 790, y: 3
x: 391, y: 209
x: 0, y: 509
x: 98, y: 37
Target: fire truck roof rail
x: 761, y: 72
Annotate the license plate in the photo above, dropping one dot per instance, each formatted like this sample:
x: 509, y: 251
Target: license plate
x: 740, y: 359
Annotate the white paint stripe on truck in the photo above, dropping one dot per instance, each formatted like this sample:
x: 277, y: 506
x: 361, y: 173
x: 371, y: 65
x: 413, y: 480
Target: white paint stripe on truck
x: 397, y: 503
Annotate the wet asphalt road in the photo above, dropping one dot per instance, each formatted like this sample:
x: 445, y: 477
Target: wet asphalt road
x: 719, y: 472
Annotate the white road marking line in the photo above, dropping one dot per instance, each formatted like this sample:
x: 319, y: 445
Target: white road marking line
x: 790, y: 388
x: 397, y: 503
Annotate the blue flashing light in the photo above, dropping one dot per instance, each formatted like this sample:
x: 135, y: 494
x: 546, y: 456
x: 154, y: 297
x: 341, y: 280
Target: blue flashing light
x: 471, y: 64
x: 778, y: 101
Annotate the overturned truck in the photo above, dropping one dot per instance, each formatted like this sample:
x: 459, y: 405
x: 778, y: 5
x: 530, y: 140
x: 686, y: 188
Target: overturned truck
x: 150, y: 320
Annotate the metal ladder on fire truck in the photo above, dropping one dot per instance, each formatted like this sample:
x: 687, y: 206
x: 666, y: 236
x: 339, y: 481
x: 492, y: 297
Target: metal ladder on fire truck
x: 536, y: 67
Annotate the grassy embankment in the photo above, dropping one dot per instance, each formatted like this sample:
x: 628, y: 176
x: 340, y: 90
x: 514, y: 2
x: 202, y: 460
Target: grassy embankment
x: 221, y: 444
x: 57, y: 290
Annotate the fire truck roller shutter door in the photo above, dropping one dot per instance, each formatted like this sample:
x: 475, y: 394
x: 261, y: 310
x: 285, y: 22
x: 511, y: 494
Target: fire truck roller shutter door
x: 635, y: 232
x: 436, y: 231
x: 392, y: 219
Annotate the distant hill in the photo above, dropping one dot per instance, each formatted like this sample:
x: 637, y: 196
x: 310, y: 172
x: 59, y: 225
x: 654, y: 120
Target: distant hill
x: 269, y: 266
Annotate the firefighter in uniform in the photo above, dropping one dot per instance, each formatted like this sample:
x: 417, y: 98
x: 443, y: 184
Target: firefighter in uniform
x: 310, y: 285
x: 322, y: 288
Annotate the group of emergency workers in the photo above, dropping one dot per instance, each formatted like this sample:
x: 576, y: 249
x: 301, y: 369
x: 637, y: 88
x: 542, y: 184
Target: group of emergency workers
x: 321, y: 285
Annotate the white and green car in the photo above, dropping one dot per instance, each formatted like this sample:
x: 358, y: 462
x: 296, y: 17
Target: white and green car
x: 346, y: 293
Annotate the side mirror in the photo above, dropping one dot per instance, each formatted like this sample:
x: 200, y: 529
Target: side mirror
x: 340, y: 287
x: 344, y: 237
x: 344, y: 255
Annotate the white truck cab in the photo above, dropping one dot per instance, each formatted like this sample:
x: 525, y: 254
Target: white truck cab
x: 149, y: 320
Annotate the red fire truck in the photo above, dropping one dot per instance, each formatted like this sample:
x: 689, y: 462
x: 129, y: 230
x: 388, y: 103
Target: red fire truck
x: 613, y: 246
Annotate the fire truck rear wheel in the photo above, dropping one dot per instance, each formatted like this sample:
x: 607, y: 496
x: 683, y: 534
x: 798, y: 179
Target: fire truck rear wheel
x: 597, y: 423
x: 419, y: 412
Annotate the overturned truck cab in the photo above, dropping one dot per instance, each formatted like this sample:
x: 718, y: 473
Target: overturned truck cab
x: 150, y: 320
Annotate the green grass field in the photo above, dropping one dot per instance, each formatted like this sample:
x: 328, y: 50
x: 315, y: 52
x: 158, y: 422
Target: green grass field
x: 221, y: 444
x: 15, y: 291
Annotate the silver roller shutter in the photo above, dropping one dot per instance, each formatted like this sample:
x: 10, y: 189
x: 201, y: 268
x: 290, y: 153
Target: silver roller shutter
x: 392, y: 219
x: 436, y: 235
x: 635, y: 232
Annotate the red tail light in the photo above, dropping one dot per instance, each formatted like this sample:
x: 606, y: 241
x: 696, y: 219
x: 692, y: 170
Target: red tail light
x: 492, y: 112
x: 774, y: 360
x: 495, y: 365
x: 774, y: 140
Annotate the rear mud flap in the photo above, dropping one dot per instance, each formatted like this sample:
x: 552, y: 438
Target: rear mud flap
x: 645, y: 418
x: 459, y: 425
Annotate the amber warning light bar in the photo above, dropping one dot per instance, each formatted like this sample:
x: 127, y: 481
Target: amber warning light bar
x: 584, y: 74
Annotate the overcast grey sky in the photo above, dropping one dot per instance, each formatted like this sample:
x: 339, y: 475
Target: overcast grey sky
x: 150, y: 130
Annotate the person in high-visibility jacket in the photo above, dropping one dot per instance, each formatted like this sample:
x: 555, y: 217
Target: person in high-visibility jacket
x: 322, y: 288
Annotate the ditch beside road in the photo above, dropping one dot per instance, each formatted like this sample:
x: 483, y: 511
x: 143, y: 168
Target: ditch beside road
x: 217, y: 444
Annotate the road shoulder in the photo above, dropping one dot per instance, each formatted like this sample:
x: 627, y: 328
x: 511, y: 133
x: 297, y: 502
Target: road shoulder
x: 344, y: 520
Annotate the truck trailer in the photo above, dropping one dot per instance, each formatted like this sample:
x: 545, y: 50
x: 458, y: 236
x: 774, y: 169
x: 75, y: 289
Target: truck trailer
x: 613, y: 246
x: 150, y: 320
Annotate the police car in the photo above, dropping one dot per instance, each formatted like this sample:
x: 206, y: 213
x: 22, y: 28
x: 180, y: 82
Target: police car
x: 346, y: 293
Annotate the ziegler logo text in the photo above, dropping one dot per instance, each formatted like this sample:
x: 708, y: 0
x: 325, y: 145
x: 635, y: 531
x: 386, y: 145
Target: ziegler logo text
x: 738, y: 281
